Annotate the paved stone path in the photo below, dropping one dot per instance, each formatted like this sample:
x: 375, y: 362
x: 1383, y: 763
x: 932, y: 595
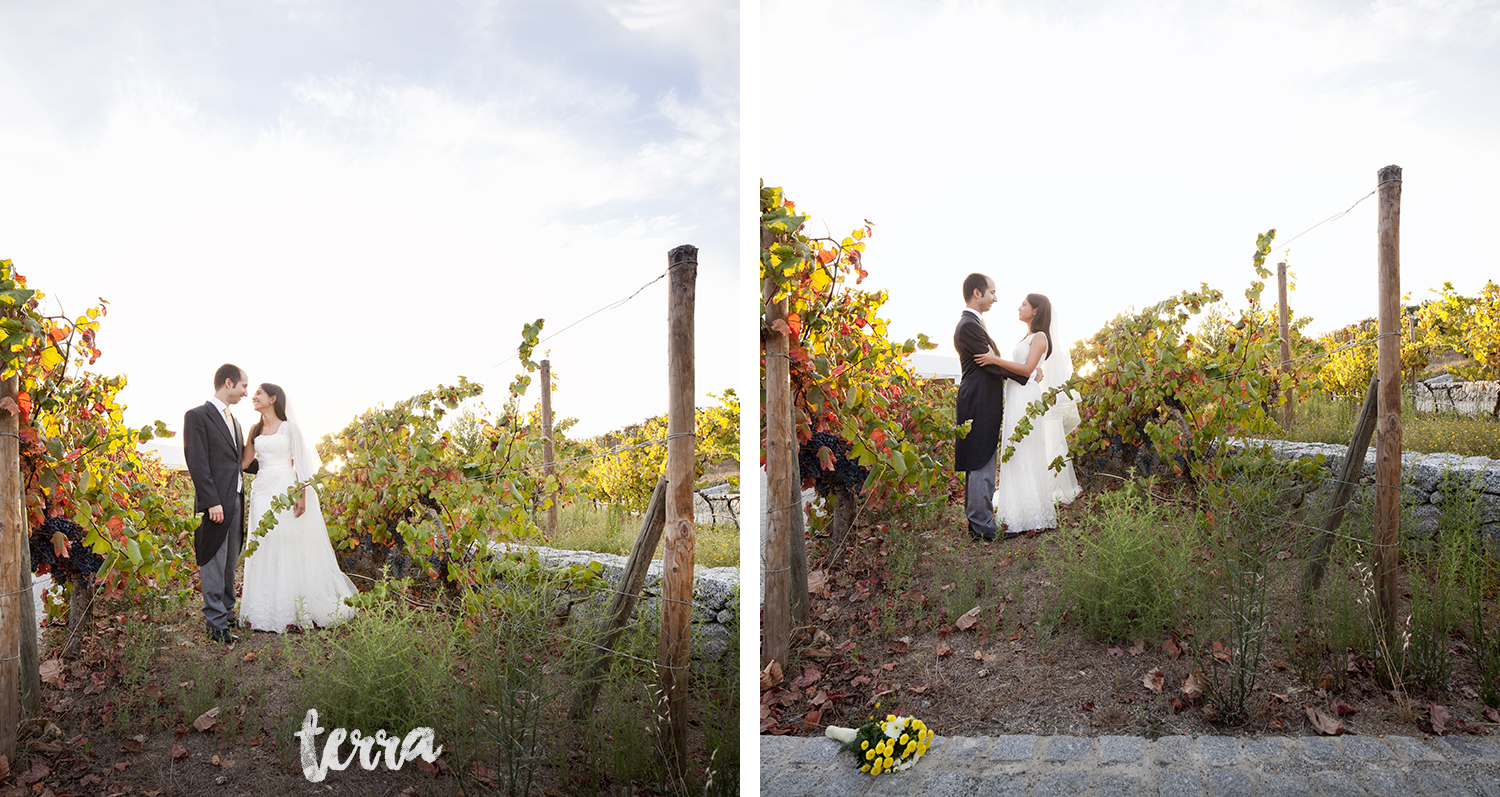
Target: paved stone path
x: 1171, y: 766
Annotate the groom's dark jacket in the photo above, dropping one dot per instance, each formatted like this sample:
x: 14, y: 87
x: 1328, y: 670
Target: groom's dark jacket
x: 213, y: 460
x: 981, y: 395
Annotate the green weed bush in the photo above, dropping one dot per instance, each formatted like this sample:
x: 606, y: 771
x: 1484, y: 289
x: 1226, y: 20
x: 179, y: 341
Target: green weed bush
x: 1123, y: 573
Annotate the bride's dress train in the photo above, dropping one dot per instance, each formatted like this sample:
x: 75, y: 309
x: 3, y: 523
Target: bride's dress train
x: 293, y: 577
x: 1027, y: 491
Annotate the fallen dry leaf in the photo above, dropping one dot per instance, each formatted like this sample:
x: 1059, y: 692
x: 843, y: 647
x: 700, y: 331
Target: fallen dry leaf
x: 1438, y: 718
x: 810, y: 675
x: 122, y: 765
x: 1138, y: 648
x: 888, y: 666
x: 968, y: 619
x: 1115, y: 652
x: 1154, y: 680
x: 52, y: 672
x: 1172, y: 647
x: 918, y: 689
x: 89, y: 780
x: 817, y: 582
x: 1491, y: 714
x: 1343, y: 709
x: 38, y: 771
x: 1221, y: 653
x: 248, y: 657
x: 1276, y: 724
x: 1192, y: 687
x: 943, y: 649
x: 179, y: 752
x: 1324, y: 724
x: 4, y: 767
x: 898, y: 645
x: 208, y: 719
x: 771, y: 675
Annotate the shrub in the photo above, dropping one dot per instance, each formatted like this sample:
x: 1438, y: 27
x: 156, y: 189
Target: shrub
x: 1124, y: 576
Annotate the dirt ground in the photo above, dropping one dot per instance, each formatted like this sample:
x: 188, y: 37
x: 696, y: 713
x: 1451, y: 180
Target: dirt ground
x: 104, y: 733
x: 1009, y: 673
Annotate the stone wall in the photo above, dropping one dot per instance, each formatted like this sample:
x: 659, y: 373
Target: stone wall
x: 1442, y: 394
x: 1427, y: 481
x: 716, y: 597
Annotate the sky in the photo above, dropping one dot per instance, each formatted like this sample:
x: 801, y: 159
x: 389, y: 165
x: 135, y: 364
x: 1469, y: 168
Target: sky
x: 1110, y: 155
x: 360, y: 201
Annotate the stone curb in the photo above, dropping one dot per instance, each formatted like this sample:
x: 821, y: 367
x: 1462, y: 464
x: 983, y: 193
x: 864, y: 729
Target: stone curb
x: 1171, y: 766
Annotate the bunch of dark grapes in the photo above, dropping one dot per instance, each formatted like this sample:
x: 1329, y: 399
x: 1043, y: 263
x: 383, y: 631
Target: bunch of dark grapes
x: 81, y: 559
x: 847, y: 476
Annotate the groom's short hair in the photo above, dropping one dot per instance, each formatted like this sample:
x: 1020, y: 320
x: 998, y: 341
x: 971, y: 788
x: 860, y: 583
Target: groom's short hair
x: 975, y: 282
x: 227, y: 371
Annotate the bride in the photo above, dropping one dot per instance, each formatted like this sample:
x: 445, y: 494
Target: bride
x: 1026, y: 489
x: 292, y: 578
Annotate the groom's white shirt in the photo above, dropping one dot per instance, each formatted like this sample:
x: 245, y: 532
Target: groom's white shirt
x: 224, y: 413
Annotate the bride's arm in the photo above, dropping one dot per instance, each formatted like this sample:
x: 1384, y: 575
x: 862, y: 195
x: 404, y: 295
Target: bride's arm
x: 248, y: 456
x: 1033, y: 358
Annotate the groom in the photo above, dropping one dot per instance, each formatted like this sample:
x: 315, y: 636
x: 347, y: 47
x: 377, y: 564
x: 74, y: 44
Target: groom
x: 981, y: 398
x: 211, y: 443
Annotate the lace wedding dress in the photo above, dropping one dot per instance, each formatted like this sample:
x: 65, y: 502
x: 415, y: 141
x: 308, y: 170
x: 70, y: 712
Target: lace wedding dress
x: 293, y: 577
x: 1026, y: 490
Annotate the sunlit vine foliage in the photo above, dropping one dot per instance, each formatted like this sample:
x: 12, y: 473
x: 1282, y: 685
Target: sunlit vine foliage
x: 1151, y: 396
x: 80, y: 461
x: 848, y: 378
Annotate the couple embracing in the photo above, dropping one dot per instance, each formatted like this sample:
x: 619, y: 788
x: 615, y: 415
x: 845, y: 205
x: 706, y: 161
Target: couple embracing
x: 292, y: 579
x: 994, y: 394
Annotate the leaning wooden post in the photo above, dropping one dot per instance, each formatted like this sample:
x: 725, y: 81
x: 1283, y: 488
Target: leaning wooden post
x: 776, y: 606
x: 1288, y: 412
x: 547, y: 467
x: 677, y: 562
x: 12, y: 538
x: 1388, y: 429
x: 1354, y: 461
x: 622, y: 603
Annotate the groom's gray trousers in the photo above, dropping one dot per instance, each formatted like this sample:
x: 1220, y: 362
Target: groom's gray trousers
x: 216, y: 577
x: 979, y: 499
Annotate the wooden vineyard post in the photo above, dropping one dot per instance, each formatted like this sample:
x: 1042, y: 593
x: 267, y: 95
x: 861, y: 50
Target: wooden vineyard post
x: 776, y: 612
x: 1354, y: 461
x: 677, y: 560
x: 1388, y: 427
x: 797, y: 533
x: 1288, y: 414
x: 12, y: 539
x: 548, y: 470
x: 622, y: 603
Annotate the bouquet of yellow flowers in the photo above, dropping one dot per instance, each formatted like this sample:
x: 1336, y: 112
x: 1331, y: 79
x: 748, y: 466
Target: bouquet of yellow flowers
x: 889, y: 745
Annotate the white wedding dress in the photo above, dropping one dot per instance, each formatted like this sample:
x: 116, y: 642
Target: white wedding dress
x: 1027, y: 491
x: 293, y: 577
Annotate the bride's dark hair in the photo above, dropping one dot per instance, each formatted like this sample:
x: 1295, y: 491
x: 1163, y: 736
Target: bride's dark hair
x: 279, y: 405
x: 1041, y: 321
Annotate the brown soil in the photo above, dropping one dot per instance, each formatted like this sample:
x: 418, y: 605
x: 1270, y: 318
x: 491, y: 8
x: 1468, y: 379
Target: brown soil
x: 96, y: 736
x: 869, y: 651
x: 87, y: 743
